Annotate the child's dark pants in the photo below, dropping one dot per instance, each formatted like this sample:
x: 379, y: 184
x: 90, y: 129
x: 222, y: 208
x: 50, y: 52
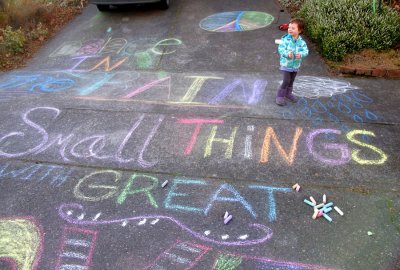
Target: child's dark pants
x: 286, y: 88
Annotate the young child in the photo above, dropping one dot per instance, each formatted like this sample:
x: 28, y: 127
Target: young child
x: 292, y: 50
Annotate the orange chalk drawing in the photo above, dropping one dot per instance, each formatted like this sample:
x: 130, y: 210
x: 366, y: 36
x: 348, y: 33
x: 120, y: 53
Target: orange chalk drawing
x: 271, y: 135
x: 106, y: 63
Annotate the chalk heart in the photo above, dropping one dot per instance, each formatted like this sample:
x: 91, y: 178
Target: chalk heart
x: 74, y: 213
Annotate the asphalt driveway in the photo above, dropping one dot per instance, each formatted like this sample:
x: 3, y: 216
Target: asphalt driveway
x: 133, y: 134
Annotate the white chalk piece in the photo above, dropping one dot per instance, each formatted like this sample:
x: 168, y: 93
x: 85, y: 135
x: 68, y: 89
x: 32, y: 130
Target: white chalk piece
x: 298, y: 188
x: 319, y: 205
x: 313, y: 200
x: 370, y: 233
x: 278, y: 41
x: 324, y: 198
x: 226, y: 215
x: 338, y: 210
x: 226, y: 221
x: 295, y: 186
x: 165, y: 183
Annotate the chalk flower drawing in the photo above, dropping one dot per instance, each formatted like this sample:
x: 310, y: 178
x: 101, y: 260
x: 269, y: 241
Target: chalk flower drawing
x: 236, y: 21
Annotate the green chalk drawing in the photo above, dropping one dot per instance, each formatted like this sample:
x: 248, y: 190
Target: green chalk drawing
x: 143, y: 60
x: 226, y: 262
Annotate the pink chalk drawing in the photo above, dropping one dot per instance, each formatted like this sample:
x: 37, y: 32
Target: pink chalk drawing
x: 21, y: 242
x: 181, y: 255
x: 148, y: 86
x: 65, y: 212
x: 76, y: 250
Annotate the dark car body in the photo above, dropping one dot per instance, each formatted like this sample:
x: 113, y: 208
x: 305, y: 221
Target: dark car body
x: 104, y: 5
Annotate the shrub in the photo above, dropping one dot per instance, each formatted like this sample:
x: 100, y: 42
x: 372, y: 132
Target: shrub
x: 13, y: 40
x: 39, y: 32
x: 344, y: 26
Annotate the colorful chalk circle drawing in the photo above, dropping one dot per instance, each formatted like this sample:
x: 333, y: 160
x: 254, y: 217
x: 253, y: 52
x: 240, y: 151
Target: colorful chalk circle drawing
x: 236, y: 21
x: 75, y: 214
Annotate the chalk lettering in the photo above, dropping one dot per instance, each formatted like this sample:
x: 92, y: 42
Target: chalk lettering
x: 343, y: 149
x: 127, y: 189
x: 229, y: 142
x: 173, y: 193
x: 236, y: 198
x: 270, y: 134
x: 110, y: 190
x: 356, y: 152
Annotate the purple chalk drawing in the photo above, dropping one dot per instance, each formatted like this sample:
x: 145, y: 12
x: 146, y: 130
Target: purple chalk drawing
x: 65, y: 208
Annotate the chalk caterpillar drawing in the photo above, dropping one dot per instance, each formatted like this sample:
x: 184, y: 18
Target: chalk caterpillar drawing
x: 236, y: 21
x: 21, y: 242
x: 65, y: 212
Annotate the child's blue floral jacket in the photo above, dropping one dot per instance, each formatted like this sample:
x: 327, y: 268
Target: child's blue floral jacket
x: 288, y: 44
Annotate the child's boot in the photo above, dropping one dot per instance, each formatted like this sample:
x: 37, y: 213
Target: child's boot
x: 290, y: 96
x: 280, y: 97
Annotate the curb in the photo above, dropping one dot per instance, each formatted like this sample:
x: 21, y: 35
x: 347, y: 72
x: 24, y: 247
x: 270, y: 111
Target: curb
x: 371, y: 72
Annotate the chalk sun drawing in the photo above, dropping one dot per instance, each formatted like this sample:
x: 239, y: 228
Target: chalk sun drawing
x: 21, y: 242
x: 236, y: 21
x: 266, y: 233
x: 315, y: 87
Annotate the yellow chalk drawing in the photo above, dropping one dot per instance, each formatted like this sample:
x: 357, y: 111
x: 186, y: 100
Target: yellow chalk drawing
x: 270, y: 134
x: 20, y: 240
x: 195, y: 87
x: 229, y: 142
x: 355, y: 152
x: 94, y: 189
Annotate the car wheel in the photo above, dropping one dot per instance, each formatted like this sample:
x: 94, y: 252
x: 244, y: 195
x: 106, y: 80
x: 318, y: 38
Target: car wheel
x: 103, y: 7
x: 164, y: 4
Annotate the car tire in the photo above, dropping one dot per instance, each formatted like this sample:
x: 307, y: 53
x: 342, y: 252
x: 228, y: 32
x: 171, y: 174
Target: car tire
x: 103, y: 7
x: 164, y: 4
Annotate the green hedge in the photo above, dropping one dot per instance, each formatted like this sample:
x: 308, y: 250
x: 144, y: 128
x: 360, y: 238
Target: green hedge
x: 344, y: 26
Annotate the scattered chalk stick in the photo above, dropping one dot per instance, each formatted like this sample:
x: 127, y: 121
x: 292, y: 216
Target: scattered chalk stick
x: 324, y: 198
x: 329, y: 204
x: 319, y: 214
x: 226, y: 214
x: 315, y: 214
x: 319, y: 205
x: 165, y: 183
x: 328, y: 218
x: 226, y: 220
x: 326, y: 210
x: 295, y: 186
x: 313, y: 200
x: 298, y: 188
x: 338, y: 210
x: 370, y: 233
x: 309, y: 203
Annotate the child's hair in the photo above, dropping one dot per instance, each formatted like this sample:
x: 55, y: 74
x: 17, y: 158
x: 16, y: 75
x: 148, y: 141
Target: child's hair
x: 299, y: 22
